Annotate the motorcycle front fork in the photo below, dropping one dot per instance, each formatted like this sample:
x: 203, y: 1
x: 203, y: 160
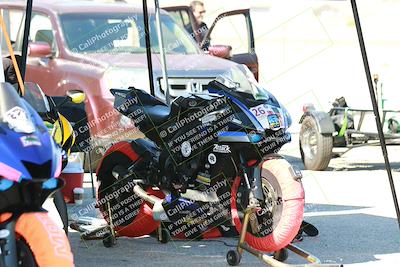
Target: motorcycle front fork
x: 252, y: 179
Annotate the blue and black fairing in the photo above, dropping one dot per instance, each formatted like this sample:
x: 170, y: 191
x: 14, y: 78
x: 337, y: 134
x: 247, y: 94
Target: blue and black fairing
x: 30, y: 159
x: 256, y: 109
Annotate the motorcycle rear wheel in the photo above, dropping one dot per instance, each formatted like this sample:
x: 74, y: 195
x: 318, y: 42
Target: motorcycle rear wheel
x: 282, y: 213
x: 132, y: 216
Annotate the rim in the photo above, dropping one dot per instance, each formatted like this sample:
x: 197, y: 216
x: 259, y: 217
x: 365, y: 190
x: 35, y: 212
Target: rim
x: 309, y: 143
x: 269, y: 216
x: 271, y: 197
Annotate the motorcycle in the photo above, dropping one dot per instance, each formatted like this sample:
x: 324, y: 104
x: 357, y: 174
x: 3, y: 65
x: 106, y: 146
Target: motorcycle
x: 205, y: 160
x: 29, y: 164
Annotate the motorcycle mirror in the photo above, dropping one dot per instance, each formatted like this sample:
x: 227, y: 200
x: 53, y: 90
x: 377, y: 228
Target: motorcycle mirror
x: 76, y: 96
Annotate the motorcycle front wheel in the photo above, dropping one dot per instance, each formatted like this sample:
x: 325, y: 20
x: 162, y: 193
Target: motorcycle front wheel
x: 278, y: 220
x: 52, y: 250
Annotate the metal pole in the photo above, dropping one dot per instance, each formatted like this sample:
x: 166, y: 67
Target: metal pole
x: 162, y: 52
x: 375, y: 107
x: 148, y: 46
x: 28, y: 15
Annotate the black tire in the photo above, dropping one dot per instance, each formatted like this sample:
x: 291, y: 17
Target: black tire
x: 315, y: 148
x: 61, y: 207
x: 233, y: 257
x: 281, y: 255
x: 109, y: 184
x: 25, y: 255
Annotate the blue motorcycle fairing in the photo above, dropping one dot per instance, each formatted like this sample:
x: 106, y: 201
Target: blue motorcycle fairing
x: 32, y: 148
x: 239, y: 104
x: 272, y: 103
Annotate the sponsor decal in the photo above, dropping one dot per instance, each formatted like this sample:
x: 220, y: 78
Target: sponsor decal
x: 203, y: 178
x: 18, y: 120
x: 30, y: 140
x: 221, y: 148
x: 273, y: 121
x: 212, y: 159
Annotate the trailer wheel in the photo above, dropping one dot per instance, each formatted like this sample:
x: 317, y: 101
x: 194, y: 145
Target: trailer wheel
x: 315, y: 148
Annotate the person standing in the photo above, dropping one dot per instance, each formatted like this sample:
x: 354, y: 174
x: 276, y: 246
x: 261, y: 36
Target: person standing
x: 198, y: 10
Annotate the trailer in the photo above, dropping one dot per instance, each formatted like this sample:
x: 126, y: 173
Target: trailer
x: 322, y: 132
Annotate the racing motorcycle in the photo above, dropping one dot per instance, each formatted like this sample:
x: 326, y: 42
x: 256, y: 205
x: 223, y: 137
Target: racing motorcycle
x: 205, y: 159
x: 30, y: 161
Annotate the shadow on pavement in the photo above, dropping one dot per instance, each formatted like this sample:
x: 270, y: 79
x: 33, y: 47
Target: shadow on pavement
x: 353, y: 238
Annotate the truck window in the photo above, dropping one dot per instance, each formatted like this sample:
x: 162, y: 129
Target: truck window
x: 41, y: 29
x: 121, y: 33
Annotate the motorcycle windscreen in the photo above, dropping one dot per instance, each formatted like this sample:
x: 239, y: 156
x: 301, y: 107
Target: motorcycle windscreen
x: 13, y: 111
x: 27, y: 148
x: 263, y: 106
x: 37, y: 99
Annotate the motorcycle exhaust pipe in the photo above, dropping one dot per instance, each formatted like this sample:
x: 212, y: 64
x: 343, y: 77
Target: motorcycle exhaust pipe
x: 159, y: 213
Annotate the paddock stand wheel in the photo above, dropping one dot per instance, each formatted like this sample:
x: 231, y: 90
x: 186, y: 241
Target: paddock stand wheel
x: 163, y: 234
x: 281, y: 255
x: 233, y: 256
x: 109, y: 240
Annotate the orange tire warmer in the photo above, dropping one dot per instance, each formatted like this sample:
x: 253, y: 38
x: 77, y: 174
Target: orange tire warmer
x: 47, y: 241
x: 277, y: 172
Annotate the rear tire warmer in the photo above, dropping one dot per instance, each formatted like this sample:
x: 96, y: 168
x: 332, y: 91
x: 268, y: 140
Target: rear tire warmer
x: 277, y: 173
x: 132, y: 217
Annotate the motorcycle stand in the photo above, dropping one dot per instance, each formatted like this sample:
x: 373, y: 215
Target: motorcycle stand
x: 107, y: 233
x: 109, y: 239
x: 233, y: 257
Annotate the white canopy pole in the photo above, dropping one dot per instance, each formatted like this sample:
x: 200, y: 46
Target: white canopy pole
x: 162, y: 53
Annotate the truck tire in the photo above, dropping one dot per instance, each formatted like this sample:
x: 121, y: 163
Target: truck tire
x: 315, y: 148
x: 279, y: 220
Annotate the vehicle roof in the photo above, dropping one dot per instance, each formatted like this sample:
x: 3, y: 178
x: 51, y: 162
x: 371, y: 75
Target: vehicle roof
x: 79, y: 6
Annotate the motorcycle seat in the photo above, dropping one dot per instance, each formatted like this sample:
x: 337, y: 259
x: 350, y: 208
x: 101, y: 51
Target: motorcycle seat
x: 156, y: 110
x: 158, y: 114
